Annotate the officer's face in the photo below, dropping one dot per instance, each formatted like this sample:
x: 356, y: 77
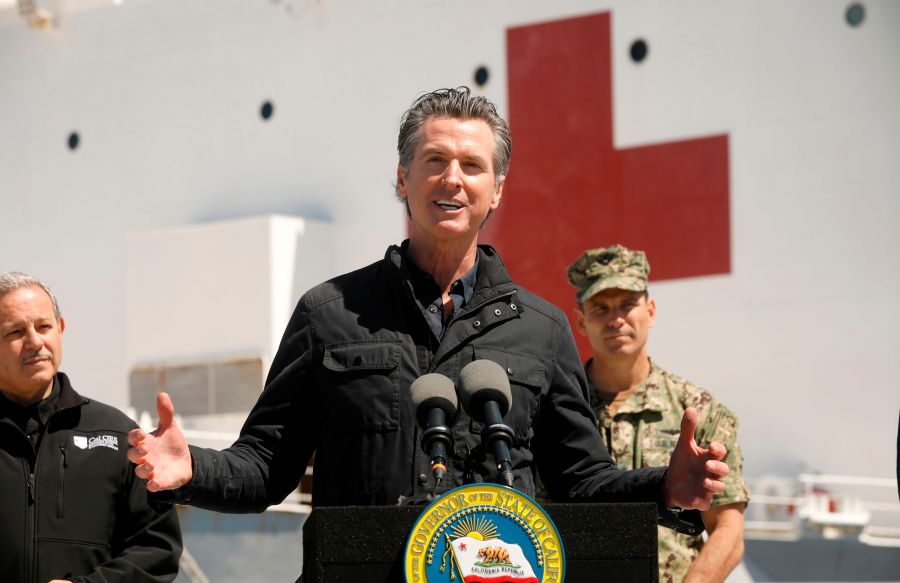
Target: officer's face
x: 450, y: 186
x: 617, y: 322
x: 30, y: 344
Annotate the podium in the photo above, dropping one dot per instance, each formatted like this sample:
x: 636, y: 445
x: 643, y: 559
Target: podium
x: 614, y: 543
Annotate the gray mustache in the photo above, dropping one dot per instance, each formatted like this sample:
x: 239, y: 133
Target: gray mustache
x: 41, y: 353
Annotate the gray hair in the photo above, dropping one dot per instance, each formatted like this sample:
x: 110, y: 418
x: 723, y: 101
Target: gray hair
x: 13, y: 280
x: 456, y: 103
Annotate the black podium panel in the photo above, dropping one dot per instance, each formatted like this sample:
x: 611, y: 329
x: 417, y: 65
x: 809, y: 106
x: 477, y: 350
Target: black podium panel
x: 604, y: 543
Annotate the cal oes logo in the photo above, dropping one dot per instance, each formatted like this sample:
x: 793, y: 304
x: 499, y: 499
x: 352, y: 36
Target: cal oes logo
x: 484, y: 533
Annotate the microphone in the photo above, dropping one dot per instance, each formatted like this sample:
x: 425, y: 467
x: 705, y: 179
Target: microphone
x: 486, y: 397
x: 434, y: 396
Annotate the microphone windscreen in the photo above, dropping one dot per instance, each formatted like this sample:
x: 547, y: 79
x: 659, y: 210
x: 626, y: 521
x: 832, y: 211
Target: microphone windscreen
x: 480, y: 381
x: 434, y: 390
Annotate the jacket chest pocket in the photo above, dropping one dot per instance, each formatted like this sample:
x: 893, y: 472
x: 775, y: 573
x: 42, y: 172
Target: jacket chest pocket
x: 86, y: 476
x: 361, y: 385
x: 526, y: 376
x: 655, y: 438
x: 657, y: 450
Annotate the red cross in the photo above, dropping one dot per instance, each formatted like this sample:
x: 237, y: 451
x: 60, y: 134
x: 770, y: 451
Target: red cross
x: 570, y: 189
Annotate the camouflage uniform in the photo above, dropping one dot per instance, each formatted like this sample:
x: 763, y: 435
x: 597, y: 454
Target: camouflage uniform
x: 644, y: 430
x: 643, y: 433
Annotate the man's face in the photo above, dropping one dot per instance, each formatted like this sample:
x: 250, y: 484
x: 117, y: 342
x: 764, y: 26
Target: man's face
x: 450, y: 185
x: 617, y: 322
x: 30, y: 344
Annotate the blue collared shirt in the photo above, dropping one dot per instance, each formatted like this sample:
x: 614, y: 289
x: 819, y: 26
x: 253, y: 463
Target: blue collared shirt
x: 428, y: 296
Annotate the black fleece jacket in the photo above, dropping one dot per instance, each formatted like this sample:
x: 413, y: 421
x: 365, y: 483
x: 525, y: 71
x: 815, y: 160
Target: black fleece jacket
x: 73, y: 508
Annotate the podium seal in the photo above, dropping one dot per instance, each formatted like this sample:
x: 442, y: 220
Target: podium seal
x: 484, y: 533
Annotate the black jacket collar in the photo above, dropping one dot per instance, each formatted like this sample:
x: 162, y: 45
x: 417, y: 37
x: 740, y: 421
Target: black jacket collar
x: 492, y: 277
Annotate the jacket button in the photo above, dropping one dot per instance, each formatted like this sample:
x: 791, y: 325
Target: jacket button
x: 477, y: 323
x: 497, y: 312
x: 509, y: 371
x: 513, y: 307
x: 432, y: 308
x: 423, y: 478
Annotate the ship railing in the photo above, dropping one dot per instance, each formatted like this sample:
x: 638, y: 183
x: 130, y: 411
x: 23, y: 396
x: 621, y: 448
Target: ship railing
x: 817, y: 510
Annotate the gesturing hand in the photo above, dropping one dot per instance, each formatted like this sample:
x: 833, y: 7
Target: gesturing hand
x: 162, y: 457
x: 695, y: 473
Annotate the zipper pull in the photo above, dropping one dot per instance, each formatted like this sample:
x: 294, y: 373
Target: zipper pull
x: 62, y: 450
x: 31, y: 488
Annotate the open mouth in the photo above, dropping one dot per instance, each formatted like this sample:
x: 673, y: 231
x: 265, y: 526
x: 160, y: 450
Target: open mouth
x: 448, y: 205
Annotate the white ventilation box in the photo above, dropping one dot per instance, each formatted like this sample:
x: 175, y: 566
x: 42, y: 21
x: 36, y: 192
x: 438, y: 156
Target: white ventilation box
x: 207, y: 305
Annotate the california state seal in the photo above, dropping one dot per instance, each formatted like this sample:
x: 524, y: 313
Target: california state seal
x: 484, y: 533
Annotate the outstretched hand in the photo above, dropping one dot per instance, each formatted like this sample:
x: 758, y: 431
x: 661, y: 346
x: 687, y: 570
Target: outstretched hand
x: 162, y: 456
x: 695, y: 474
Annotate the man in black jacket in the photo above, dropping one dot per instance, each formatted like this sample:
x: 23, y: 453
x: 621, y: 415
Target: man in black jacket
x: 339, y: 385
x: 71, y: 507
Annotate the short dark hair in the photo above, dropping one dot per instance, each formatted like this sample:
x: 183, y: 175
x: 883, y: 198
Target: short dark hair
x: 456, y: 103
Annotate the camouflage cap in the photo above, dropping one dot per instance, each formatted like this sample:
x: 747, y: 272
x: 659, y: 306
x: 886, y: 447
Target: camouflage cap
x: 608, y: 267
